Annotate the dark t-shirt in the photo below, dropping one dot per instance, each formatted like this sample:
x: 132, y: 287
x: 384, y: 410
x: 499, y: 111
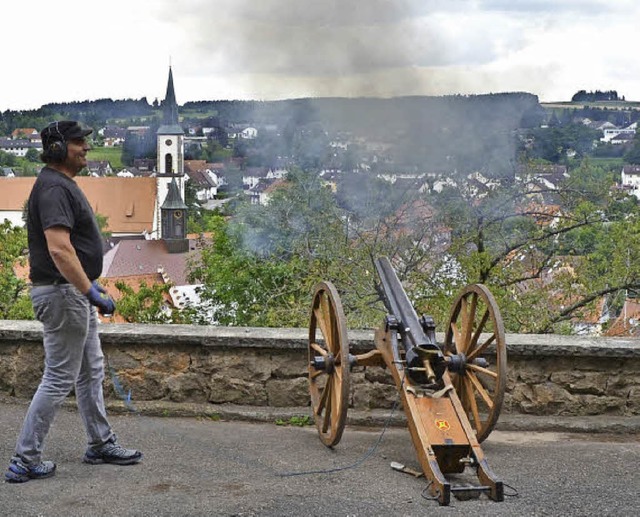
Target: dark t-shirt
x: 56, y: 200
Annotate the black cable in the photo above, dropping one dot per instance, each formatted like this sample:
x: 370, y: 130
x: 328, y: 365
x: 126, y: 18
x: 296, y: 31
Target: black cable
x: 366, y: 455
x: 428, y: 497
x: 515, y: 490
x: 126, y: 399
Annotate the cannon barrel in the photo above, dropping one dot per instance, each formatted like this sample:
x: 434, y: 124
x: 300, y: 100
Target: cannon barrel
x: 417, y: 343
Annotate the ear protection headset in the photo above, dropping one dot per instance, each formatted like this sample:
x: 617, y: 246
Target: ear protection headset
x: 56, y: 149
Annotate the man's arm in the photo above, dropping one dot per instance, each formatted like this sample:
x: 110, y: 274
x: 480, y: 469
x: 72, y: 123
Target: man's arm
x: 65, y: 258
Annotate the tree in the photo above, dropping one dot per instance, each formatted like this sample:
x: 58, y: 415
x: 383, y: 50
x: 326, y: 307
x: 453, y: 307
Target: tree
x: 14, y: 298
x: 33, y: 156
x: 546, y: 263
x: 552, y: 143
x: 240, y: 287
x: 102, y: 221
x: 264, y: 263
x: 300, y: 211
x: 633, y: 155
x: 7, y: 159
x: 147, y: 304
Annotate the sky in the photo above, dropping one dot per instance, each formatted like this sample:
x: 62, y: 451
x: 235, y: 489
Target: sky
x: 73, y: 50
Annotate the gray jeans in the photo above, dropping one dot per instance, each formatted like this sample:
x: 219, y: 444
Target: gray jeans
x: 73, y: 358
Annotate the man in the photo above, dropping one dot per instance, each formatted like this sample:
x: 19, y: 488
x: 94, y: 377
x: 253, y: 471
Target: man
x: 65, y: 255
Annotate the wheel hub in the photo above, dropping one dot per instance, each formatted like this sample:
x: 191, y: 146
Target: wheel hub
x: 458, y: 362
x: 326, y: 363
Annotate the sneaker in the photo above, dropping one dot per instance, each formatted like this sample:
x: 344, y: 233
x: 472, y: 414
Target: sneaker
x: 112, y: 452
x: 20, y: 472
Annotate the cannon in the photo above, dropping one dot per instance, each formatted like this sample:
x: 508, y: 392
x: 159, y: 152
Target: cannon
x: 451, y: 393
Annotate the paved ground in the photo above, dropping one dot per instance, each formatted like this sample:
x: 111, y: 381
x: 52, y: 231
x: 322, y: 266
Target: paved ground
x: 202, y: 467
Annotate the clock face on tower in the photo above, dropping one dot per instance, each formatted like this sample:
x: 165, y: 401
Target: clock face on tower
x: 177, y: 214
x: 168, y: 141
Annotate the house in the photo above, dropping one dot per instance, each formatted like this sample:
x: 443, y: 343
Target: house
x: 145, y: 165
x: 241, y: 131
x: 602, y: 125
x: 134, y: 172
x: 277, y: 173
x: 543, y: 212
x: 628, y: 322
x: 590, y: 322
x: 542, y: 176
x: 253, y: 175
x: 623, y: 138
x: 631, y: 179
x: 19, y: 147
x: 26, y: 133
x: 204, y: 179
x: 14, y: 192
x: 392, y: 176
x: 260, y: 193
x: 611, y: 133
x: 99, y: 168
x: 139, y: 131
x: 128, y: 172
x: 114, y: 136
x: 442, y: 182
x: 249, y: 133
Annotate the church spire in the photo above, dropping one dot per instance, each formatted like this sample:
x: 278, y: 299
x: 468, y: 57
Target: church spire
x: 170, y: 135
x: 173, y: 201
x: 170, y: 106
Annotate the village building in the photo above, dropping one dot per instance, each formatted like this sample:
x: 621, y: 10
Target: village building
x: 26, y: 133
x: 205, y: 179
x: 19, y: 147
x: 99, y: 168
x: 630, y: 179
x: 615, y: 134
x: 113, y: 136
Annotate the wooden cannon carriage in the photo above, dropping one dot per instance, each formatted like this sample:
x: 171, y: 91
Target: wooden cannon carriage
x: 452, y: 395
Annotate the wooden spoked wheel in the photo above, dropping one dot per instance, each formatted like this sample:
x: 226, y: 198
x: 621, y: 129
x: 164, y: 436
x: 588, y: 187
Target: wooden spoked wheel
x: 328, y: 348
x: 476, y: 333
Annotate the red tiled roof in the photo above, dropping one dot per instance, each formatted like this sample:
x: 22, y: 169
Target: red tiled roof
x: 145, y: 257
x: 623, y: 325
x: 127, y: 203
x: 195, y: 165
x: 14, y: 192
x: 26, y: 132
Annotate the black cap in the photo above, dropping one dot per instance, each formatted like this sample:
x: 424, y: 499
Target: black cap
x: 62, y: 131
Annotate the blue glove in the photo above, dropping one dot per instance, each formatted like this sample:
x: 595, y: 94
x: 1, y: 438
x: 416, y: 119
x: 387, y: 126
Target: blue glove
x: 98, y: 296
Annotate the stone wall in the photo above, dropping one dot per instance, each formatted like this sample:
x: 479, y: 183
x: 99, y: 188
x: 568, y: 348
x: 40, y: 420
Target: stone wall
x: 547, y: 374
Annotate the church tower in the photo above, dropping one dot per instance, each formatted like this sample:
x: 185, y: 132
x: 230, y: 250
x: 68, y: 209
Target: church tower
x: 170, y: 146
x: 174, y: 221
